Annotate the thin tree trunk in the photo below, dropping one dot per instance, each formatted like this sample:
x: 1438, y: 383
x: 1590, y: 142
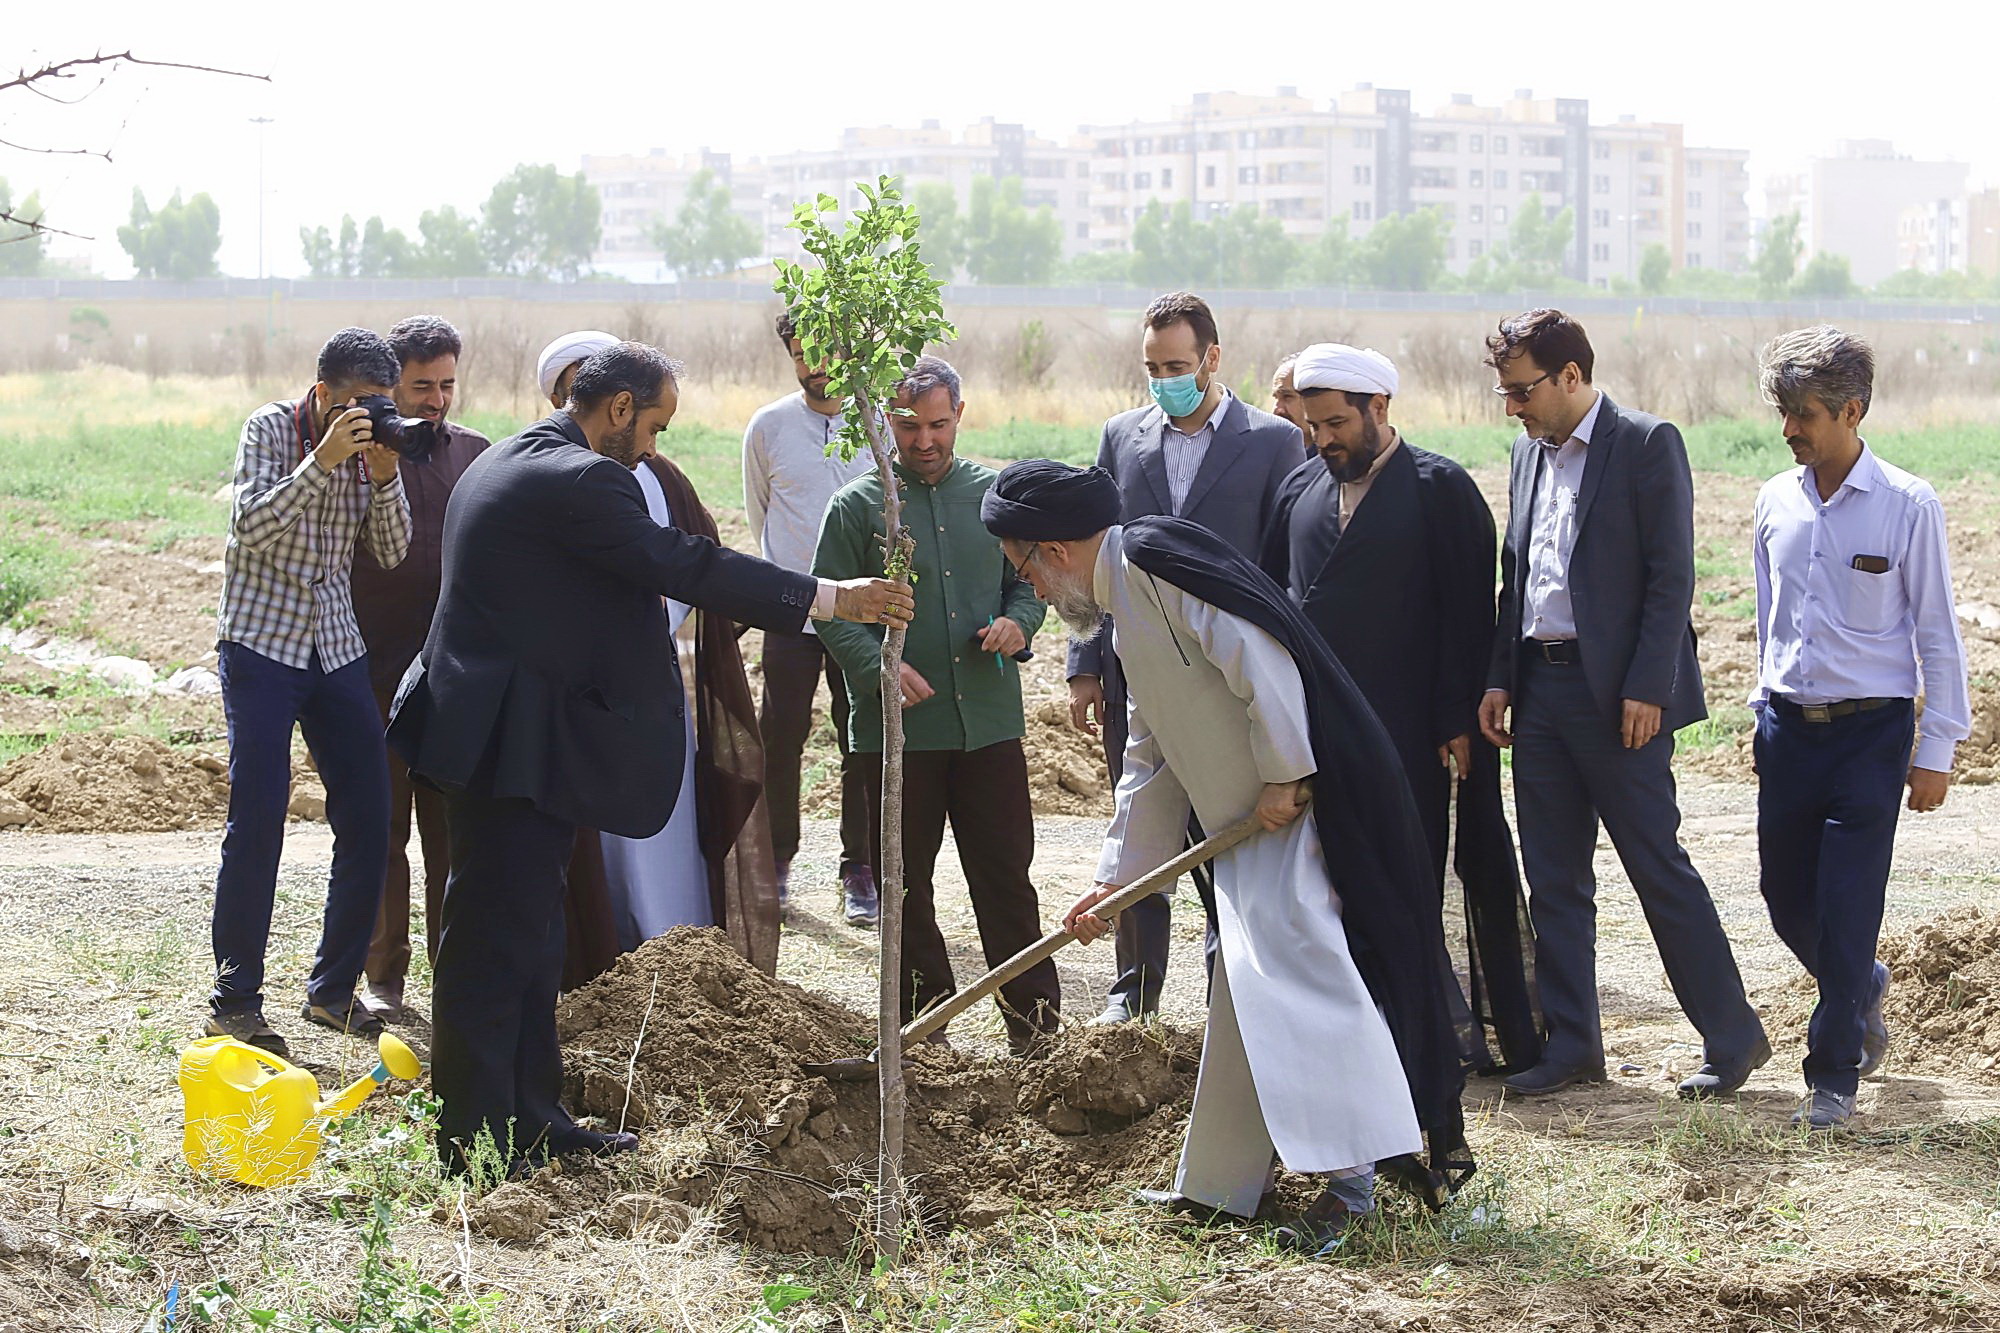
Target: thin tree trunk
x: 897, y: 546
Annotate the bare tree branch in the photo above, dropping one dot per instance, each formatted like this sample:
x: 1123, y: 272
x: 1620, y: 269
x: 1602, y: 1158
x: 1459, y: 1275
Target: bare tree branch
x: 65, y: 69
x: 34, y: 227
x: 56, y: 152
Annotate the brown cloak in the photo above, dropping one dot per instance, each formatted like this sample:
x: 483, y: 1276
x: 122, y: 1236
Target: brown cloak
x: 731, y: 822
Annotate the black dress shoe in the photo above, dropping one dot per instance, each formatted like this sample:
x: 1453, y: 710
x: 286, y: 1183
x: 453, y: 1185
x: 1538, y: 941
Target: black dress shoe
x: 581, y: 1142
x: 1321, y: 1228
x: 1546, y: 1078
x: 1720, y: 1079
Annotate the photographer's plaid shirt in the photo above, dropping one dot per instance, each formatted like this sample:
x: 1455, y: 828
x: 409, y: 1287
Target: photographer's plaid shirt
x: 287, y: 590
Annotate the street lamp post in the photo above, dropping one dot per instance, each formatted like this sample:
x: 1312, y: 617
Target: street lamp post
x: 260, y: 122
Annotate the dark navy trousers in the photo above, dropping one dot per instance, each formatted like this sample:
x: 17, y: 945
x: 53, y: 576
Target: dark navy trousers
x: 335, y: 710
x: 1827, y: 800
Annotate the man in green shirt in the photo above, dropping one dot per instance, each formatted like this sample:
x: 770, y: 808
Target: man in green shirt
x: 962, y: 721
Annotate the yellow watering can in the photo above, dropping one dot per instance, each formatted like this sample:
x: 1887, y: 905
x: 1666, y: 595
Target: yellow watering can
x: 255, y: 1117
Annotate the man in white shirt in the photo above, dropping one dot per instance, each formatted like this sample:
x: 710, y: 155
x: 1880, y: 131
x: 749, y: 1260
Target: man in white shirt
x: 1854, y: 614
x: 788, y: 477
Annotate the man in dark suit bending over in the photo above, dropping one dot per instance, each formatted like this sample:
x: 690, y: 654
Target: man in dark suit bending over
x: 1595, y: 657
x: 548, y: 696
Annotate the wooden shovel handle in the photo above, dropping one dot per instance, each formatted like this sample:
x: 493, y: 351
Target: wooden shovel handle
x: 1206, y: 850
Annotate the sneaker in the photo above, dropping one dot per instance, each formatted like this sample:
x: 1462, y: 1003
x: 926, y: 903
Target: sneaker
x: 1824, y: 1110
x: 351, y: 1018
x: 861, y: 906
x: 248, y: 1026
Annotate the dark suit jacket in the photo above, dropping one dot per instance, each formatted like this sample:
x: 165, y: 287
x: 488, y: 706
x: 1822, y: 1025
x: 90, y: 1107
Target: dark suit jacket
x: 549, y: 673
x: 1233, y: 494
x: 1404, y: 597
x: 1631, y: 574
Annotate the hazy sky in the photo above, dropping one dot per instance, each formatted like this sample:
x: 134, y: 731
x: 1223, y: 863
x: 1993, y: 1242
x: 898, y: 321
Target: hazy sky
x: 444, y: 99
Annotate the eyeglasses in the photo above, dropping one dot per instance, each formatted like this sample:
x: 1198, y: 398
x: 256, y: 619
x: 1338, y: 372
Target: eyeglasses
x: 1021, y: 570
x: 1520, y: 393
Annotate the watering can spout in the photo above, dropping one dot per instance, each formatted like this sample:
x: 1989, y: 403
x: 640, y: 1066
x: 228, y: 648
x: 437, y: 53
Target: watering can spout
x: 398, y: 1061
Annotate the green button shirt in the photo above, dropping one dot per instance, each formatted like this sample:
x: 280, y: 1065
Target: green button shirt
x: 963, y: 581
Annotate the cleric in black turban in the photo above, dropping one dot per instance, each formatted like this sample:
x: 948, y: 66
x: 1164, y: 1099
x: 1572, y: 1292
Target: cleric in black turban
x: 1040, y: 500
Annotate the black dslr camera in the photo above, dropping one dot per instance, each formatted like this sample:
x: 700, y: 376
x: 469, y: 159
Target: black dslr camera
x: 412, y: 437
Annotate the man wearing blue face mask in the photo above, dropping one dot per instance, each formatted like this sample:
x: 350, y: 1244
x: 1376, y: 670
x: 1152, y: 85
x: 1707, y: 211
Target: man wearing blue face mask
x: 1198, y: 453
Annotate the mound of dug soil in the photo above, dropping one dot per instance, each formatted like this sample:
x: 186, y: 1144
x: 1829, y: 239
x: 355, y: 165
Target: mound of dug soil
x: 1943, y: 1006
x: 90, y: 783
x: 1946, y: 991
x: 717, y: 1074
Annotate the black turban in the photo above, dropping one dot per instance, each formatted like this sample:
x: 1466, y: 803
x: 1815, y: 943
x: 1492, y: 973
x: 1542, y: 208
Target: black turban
x: 1040, y: 500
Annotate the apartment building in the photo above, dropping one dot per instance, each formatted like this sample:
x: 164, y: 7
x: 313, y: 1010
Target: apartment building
x: 1054, y: 176
x: 1852, y: 203
x: 1370, y: 154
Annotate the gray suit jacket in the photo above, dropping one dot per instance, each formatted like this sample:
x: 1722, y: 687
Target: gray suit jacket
x: 1631, y: 574
x: 1233, y: 495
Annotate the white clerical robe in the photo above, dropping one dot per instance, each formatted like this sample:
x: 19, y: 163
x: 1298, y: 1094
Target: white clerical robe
x: 660, y: 882
x: 1297, y: 1058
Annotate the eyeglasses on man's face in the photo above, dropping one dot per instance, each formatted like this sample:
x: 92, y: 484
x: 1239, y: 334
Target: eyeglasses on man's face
x: 1520, y: 393
x: 1021, y: 567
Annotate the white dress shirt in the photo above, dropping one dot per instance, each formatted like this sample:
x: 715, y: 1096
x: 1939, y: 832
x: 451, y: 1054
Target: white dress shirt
x: 1185, y: 452
x: 1827, y: 631
x: 788, y: 477
x: 1546, y: 612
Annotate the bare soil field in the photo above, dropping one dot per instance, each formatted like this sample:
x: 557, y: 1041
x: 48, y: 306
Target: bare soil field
x: 1608, y: 1208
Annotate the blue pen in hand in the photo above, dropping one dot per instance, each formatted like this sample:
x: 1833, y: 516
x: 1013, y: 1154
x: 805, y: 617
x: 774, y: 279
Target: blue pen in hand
x: 1000, y: 659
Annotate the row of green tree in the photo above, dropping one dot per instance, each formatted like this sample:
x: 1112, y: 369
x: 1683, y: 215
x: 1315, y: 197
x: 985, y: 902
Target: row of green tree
x: 539, y: 223
x: 178, y: 240
x: 536, y: 223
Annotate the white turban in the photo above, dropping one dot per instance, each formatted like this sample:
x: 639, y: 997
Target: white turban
x: 565, y: 352
x: 1351, y: 369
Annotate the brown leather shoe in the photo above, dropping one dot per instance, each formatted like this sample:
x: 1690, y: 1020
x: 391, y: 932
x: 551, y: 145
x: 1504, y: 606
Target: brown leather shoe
x: 1321, y: 1228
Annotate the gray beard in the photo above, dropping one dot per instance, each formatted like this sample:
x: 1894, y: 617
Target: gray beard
x: 1079, y: 611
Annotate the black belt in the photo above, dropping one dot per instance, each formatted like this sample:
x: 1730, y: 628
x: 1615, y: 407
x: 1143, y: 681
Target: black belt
x: 1828, y: 712
x: 1556, y: 652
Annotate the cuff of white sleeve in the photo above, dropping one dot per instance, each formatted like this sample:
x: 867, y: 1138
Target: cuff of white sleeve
x: 1935, y: 753
x: 823, y: 600
x: 385, y: 491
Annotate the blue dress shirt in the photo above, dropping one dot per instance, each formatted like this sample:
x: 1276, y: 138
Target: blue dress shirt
x: 1828, y: 629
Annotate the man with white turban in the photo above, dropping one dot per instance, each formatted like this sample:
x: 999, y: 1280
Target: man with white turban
x: 557, y: 364
x: 1388, y: 551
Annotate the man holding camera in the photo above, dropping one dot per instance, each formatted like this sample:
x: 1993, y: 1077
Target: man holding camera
x: 393, y: 604
x: 311, y: 477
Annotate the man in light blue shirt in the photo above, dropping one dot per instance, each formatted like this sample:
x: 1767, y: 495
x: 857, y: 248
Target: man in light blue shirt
x: 1854, y: 615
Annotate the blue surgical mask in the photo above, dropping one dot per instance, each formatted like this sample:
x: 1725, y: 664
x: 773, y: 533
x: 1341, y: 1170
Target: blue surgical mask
x: 1178, y: 396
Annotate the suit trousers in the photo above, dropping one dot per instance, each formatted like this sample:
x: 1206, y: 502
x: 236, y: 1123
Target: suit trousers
x: 1570, y: 769
x: 389, y: 951
x: 794, y: 664
x: 984, y: 794
x: 1143, y: 933
x: 261, y: 701
x: 496, y: 1064
x: 1828, y: 797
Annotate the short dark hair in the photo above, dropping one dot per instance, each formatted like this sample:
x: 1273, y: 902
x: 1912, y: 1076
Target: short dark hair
x: 424, y: 338
x: 1356, y: 400
x: 1550, y: 338
x: 634, y: 368
x: 359, y: 356
x: 788, y: 328
x: 931, y: 372
x: 1177, y: 307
